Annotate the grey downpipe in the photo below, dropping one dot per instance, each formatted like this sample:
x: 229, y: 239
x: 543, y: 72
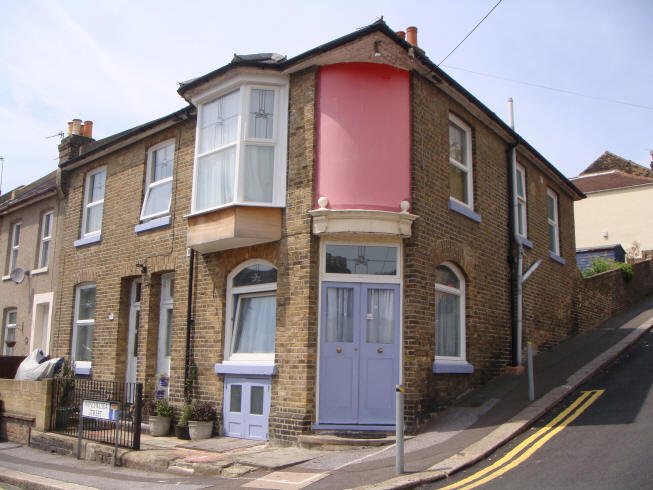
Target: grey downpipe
x: 189, y: 322
x: 516, y: 263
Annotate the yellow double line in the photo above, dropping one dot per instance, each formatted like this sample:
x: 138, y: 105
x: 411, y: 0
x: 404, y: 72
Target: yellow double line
x: 526, y: 449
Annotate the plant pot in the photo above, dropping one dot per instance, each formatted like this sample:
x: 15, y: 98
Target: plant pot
x: 200, y: 430
x: 181, y: 431
x: 159, y: 426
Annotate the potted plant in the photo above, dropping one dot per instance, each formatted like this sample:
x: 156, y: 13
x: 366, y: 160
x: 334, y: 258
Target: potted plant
x: 200, y: 425
x: 160, y: 415
x: 181, y: 429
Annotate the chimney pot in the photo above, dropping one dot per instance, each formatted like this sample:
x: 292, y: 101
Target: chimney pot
x: 401, y: 34
x: 411, y: 35
x: 70, y: 128
x: 77, y: 126
x: 88, y: 129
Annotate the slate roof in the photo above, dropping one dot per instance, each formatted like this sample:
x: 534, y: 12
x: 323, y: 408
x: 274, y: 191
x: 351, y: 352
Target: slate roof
x: 24, y: 193
x: 610, y: 161
x: 612, y: 179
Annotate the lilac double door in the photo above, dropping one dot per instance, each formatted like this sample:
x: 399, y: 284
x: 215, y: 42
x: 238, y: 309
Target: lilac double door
x: 359, y: 353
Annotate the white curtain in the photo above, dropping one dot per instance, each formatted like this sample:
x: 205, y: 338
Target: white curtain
x: 447, y: 325
x: 215, y: 179
x: 94, y: 218
x: 380, y: 316
x: 259, y: 173
x: 339, y: 315
x: 219, y: 125
x: 255, y: 324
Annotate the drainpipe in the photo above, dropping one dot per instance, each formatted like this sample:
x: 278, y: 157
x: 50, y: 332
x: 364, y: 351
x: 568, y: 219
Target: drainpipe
x: 189, y: 322
x: 516, y: 263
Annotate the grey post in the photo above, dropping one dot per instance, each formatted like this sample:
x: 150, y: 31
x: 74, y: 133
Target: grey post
x: 399, y: 428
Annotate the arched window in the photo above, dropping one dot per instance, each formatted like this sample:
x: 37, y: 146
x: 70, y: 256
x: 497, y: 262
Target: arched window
x: 450, y: 319
x: 252, y: 312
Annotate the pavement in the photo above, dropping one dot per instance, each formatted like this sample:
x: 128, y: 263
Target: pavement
x: 456, y: 438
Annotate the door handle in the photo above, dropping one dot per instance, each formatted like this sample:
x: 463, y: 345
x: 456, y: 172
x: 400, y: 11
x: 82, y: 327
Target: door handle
x: 380, y: 350
x: 338, y: 350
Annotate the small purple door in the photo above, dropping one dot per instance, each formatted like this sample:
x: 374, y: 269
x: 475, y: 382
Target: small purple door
x: 359, y: 353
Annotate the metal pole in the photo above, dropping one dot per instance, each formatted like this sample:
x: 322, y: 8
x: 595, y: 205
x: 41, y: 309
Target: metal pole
x: 531, y: 382
x: 80, y: 429
x: 399, y: 428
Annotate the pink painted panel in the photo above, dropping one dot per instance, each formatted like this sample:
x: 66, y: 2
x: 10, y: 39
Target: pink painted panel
x: 363, y: 142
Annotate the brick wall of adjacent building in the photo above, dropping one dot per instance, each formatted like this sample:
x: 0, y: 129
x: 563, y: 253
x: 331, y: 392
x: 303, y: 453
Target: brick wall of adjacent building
x: 480, y: 250
x: 111, y: 263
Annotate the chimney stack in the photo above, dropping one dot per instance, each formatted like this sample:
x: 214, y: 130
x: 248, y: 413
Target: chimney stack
x: 78, y: 135
x: 411, y: 35
x: 401, y: 34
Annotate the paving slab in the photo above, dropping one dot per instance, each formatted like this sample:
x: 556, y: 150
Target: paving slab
x: 277, y: 458
x: 220, y: 444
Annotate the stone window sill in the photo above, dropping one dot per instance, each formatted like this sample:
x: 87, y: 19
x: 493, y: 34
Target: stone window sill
x: 152, y: 224
x: 525, y: 242
x: 557, y: 258
x: 87, y: 240
x: 464, y: 210
x: 451, y: 367
x: 246, y: 369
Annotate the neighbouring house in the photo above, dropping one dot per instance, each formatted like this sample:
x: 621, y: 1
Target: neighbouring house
x: 307, y: 234
x: 619, y: 193
x: 613, y: 253
x: 29, y: 231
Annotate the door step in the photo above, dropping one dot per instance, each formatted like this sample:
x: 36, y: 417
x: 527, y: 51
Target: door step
x: 337, y: 440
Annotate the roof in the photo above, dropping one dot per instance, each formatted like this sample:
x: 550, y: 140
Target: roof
x: 96, y: 146
x: 612, y: 179
x: 413, y: 52
x: 600, y: 248
x: 25, y: 193
x: 610, y: 161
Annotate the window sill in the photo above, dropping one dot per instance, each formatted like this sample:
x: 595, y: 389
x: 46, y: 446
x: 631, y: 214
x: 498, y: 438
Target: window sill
x: 153, y: 223
x: 83, y: 368
x: 35, y: 272
x: 450, y: 367
x: 525, y: 242
x: 557, y: 258
x: 464, y: 210
x: 87, y: 240
x: 246, y: 369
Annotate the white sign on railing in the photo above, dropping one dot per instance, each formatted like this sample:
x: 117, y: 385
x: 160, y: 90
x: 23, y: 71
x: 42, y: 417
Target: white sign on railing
x: 100, y: 410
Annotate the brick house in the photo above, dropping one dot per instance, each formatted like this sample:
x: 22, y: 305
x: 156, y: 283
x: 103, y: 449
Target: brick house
x: 29, y: 231
x: 337, y: 223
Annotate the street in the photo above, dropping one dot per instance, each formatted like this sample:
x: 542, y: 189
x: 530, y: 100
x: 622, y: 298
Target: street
x: 599, y: 438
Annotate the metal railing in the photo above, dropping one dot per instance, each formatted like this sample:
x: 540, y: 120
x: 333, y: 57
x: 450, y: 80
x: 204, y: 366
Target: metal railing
x: 67, y: 397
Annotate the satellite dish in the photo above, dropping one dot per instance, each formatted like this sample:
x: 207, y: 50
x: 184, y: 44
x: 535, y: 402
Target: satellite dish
x: 17, y: 275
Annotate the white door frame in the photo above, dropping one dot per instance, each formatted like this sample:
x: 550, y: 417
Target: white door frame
x: 132, y: 332
x: 165, y: 306
x: 40, y: 299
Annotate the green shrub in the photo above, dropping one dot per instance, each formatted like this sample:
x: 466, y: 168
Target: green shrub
x: 600, y: 265
x: 203, y: 412
x: 163, y: 409
x: 185, y: 413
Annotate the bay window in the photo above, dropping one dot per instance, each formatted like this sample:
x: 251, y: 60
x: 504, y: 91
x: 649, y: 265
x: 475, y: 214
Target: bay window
x: 241, y: 146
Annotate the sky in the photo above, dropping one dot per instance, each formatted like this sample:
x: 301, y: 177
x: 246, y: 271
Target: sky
x: 117, y: 63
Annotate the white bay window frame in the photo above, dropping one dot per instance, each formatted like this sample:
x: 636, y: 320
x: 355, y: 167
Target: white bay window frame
x: 152, y: 185
x: 242, y: 86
